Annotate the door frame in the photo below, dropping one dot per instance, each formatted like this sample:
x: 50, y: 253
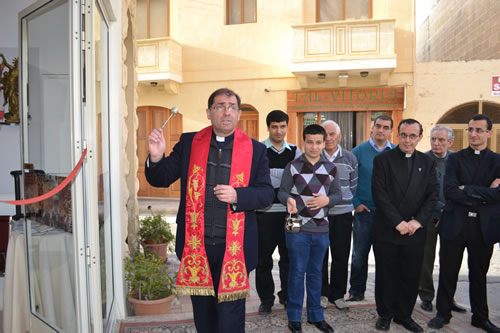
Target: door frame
x: 77, y: 146
x: 83, y: 135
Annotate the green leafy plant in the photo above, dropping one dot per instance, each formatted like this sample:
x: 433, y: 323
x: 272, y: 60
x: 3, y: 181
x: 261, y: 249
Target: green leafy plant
x: 148, y: 277
x: 155, y: 229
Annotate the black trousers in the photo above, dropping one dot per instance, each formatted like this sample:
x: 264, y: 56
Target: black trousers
x: 426, y: 288
x: 340, y: 246
x: 210, y: 316
x: 397, y: 273
x: 450, y: 259
x: 271, y: 228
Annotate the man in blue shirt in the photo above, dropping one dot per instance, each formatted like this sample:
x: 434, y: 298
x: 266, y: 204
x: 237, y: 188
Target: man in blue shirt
x: 364, y: 207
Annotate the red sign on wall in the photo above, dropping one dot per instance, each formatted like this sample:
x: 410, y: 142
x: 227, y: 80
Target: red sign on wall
x: 495, y: 85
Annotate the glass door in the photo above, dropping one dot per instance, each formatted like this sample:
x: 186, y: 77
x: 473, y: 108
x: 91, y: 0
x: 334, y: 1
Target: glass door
x: 96, y: 130
x: 64, y: 111
x: 51, y: 145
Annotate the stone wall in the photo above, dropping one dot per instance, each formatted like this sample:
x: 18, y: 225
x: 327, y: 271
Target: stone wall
x: 130, y: 183
x: 458, y: 30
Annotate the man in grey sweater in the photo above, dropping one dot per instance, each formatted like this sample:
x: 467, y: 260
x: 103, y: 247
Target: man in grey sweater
x: 340, y: 218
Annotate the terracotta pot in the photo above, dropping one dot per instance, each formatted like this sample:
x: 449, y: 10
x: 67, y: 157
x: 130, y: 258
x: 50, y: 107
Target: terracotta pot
x: 148, y: 308
x: 159, y: 250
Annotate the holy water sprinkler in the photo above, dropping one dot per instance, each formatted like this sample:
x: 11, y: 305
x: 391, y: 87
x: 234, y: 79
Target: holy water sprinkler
x: 174, y: 111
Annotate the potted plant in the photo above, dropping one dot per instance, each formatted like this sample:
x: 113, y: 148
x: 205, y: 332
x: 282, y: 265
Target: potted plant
x: 151, y: 287
x: 155, y: 235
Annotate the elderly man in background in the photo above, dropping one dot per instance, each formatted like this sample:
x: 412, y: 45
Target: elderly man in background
x: 340, y: 218
x: 441, y: 140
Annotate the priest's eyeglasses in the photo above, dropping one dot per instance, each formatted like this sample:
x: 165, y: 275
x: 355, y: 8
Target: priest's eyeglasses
x: 477, y: 130
x: 222, y: 108
x: 411, y: 136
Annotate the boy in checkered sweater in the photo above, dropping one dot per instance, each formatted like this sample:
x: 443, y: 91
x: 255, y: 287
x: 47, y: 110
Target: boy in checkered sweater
x: 308, y: 188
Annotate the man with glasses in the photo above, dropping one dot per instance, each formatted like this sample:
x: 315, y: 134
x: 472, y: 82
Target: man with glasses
x: 224, y: 179
x: 405, y: 190
x: 469, y: 220
x: 364, y: 207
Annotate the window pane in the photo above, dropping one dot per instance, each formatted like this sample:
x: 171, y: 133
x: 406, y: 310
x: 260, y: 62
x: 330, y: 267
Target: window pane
x: 249, y: 11
x: 492, y: 110
x: 361, y: 128
x: 310, y: 118
x: 356, y: 9
x: 345, y: 120
x: 375, y: 114
x: 235, y: 8
x: 48, y: 145
x: 330, y: 10
x: 103, y: 170
x: 158, y: 18
x: 462, y: 114
x: 142, y: 19
x: 458, y: 143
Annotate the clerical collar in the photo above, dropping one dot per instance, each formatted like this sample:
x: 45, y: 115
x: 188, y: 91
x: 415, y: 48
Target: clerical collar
x: 222, y: 140
x: 476, y: 151
x: 405, y: 154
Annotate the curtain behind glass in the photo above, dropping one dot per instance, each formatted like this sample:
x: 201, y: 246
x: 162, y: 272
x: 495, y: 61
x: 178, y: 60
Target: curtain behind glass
x: 330, y: 10
x: 356, y: 9
x: 345, y: 120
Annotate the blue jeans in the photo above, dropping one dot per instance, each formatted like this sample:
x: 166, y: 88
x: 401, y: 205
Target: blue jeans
x: 306, y: 253
x: 362, y: 242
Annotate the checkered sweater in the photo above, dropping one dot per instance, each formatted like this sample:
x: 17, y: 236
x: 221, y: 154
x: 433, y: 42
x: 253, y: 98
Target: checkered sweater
x: 300, y: 180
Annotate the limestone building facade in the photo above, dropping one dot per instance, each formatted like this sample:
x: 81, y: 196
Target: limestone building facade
x: 458, y: 61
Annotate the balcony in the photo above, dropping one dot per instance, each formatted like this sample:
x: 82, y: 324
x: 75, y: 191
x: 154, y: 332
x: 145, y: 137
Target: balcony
x: 159, y: 61
x: 359, y: 47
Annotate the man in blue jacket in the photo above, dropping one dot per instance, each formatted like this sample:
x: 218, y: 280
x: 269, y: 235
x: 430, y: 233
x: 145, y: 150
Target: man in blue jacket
x: 364, y: 206
x: 224, y: 179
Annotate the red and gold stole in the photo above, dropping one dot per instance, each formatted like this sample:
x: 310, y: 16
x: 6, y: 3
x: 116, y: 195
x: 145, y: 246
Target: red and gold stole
x: 194, y: 276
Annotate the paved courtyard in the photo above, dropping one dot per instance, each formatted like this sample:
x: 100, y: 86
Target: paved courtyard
x: 181, y: 309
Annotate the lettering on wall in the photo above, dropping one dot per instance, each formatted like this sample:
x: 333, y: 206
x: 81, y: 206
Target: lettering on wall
x: 495, y: 88
x: 350, y: 99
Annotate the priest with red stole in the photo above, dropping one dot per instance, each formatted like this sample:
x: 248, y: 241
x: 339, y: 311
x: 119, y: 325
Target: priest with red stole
x: 224, y: 179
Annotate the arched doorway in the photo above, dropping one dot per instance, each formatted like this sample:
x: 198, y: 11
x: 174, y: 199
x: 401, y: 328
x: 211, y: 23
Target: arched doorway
x: 458, y: 118
x: 249, y: 121
x: 151, y: 117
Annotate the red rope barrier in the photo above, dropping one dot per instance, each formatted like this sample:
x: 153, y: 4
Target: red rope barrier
x: 53, y: 192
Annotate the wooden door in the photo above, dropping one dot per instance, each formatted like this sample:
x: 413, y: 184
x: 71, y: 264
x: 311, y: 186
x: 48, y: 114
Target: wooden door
x: 249, y: 121
x: 151, y: 117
